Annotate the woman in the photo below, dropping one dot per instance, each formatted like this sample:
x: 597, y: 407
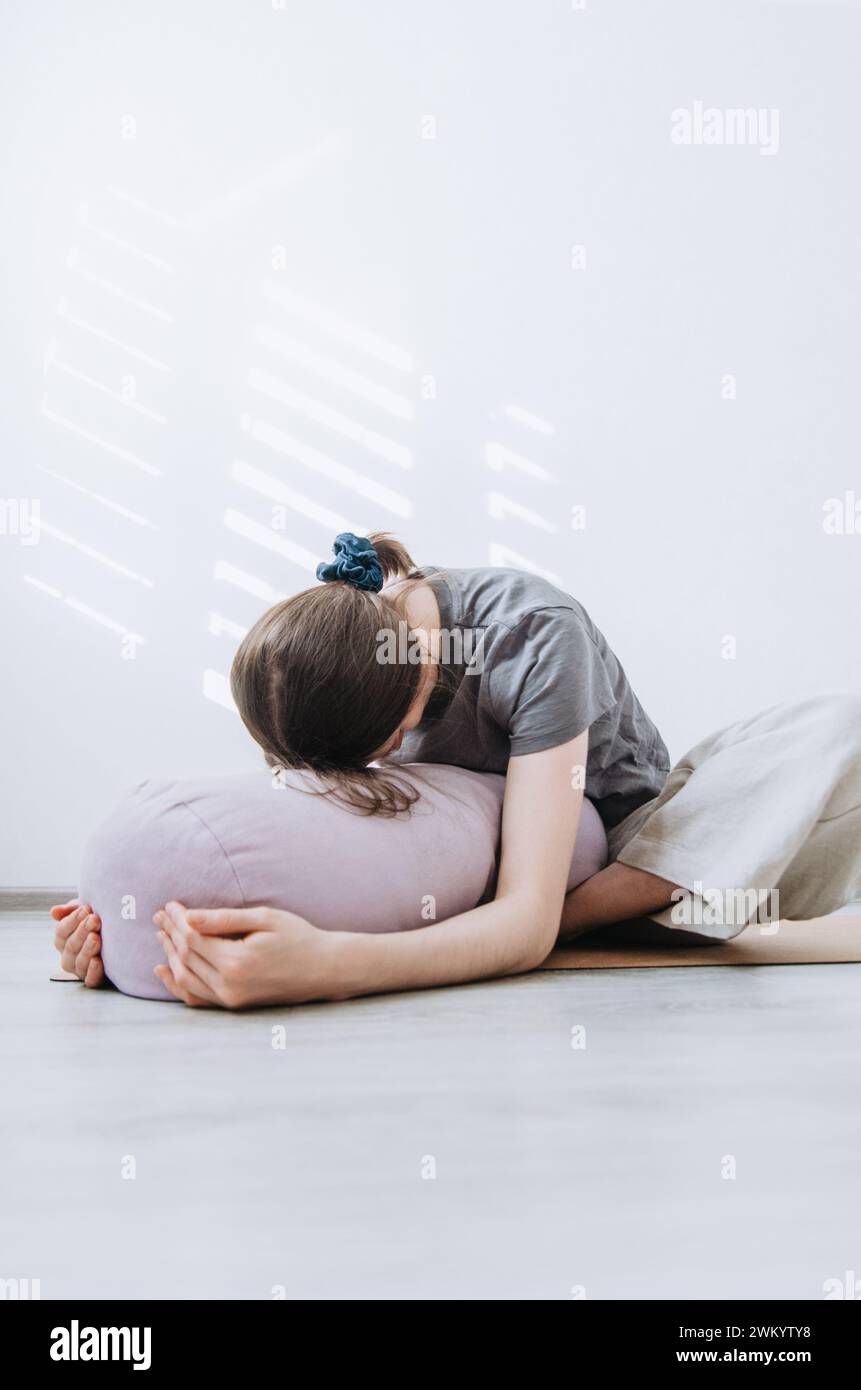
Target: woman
x: 499, y: 671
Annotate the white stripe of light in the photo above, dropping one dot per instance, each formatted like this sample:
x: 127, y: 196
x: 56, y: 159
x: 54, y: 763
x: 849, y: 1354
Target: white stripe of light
x: 341, y: 329
x: 216, y: 688
x: 498, y: 457
x: 321, y: 414
x: 327, y: 467
x: 117, y: 290
x: 96, y: 385
x: 167, y: 218
x: 502, y: 557
x: 121, y: 243
x: 63, y: 311
x: 267, y: 486
x: 335, y: 372
x: 499, y: 507
x: 83, y: 608
x: 525, y: 417
x: 97, y: 497
x: 249, y: 583
x: 96, y: 555
x: 220, y: 626
x: 242, y: 525
x: 114, y: 449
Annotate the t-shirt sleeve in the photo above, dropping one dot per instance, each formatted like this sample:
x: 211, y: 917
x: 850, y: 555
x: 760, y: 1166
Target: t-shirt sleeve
x: 547, y: 681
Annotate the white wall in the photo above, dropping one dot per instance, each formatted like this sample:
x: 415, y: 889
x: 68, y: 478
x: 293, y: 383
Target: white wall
x: 170, y: 160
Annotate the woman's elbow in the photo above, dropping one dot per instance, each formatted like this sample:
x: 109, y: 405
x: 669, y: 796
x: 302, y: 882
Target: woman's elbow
x: 535, y: 958
x: 538, y: 929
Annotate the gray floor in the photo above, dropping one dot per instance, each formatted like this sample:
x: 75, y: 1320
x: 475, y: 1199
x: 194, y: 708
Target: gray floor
x: 557, y: 1168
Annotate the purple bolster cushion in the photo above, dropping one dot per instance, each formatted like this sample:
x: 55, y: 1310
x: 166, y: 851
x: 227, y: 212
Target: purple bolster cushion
x: 254, y: 840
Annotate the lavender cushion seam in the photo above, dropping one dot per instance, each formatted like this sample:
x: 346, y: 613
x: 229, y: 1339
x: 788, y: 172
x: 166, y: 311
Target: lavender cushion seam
x: 199, y: 818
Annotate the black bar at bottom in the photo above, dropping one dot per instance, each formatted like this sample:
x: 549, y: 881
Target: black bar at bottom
x: 65, y: 1337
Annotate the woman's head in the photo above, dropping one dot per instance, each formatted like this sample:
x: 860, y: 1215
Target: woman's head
x: 311, y: 688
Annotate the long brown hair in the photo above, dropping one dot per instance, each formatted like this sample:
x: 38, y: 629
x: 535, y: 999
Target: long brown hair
x: 312, y: 691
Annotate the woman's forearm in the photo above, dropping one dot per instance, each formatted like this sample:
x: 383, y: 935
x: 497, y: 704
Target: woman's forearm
x: 511, y: 935
x: 517, y: 931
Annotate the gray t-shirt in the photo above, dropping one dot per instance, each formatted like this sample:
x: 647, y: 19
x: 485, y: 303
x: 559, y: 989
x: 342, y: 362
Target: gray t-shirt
x: 524, y: 669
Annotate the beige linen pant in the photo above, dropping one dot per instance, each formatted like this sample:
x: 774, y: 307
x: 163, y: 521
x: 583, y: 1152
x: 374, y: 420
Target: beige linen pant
x: 759, y: 821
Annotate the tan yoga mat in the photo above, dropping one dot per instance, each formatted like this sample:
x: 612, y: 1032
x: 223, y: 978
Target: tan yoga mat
x: 821, y: 941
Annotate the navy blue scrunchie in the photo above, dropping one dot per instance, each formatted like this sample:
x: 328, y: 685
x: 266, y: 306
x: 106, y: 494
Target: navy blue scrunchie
x: 356, y: 561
